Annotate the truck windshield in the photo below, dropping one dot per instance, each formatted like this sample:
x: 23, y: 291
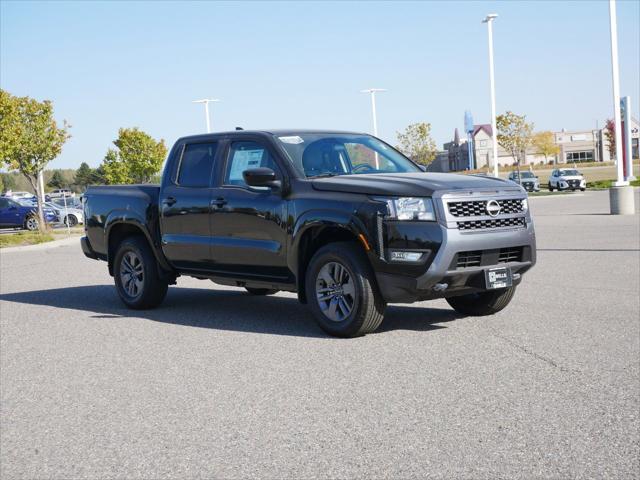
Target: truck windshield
x: 321, y: 154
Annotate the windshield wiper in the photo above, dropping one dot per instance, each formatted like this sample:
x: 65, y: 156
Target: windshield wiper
x: 323, y: 175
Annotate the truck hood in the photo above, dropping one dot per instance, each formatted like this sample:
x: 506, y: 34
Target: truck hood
x: 408, y: 184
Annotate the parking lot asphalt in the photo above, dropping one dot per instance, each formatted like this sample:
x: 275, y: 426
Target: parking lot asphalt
x: 216, y: 383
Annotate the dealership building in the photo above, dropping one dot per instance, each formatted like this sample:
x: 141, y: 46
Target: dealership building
x: 574, y: 146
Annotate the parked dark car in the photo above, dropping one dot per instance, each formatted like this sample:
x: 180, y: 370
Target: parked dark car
x: 343, y: 219
x: 13, y: 214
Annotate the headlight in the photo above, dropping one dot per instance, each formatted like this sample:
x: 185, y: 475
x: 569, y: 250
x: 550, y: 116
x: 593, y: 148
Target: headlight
x: 410, y: 208
x: 525, y: 205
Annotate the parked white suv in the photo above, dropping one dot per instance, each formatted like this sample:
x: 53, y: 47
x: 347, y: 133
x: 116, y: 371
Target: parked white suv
x: 567, y: 179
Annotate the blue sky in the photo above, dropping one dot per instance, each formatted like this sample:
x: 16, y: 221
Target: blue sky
x: 107, y: 65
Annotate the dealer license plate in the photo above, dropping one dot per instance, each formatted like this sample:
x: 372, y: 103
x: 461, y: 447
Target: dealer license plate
x: 498, y: 278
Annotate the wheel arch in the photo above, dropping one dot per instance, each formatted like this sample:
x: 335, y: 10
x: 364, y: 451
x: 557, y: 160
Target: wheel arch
x: 117, y: 229
x: 317, y: 229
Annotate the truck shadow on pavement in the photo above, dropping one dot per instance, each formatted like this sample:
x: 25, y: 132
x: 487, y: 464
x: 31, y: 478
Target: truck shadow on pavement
x: 232, y: 310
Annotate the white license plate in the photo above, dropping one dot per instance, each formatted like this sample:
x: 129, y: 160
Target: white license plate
x: 498, y: 278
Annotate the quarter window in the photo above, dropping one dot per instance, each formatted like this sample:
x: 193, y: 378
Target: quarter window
x: 196, y: 163
x: 244, y: 156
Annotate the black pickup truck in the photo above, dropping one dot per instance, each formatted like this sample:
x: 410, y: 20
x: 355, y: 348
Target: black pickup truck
x: 343, y: 219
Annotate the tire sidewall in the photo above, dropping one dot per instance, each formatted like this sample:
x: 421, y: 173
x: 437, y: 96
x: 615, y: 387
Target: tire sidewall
x: 31, y: 218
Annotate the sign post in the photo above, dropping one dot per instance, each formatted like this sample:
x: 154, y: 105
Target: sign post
x: 625, y: 112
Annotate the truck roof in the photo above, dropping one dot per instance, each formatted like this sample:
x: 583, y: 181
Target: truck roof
x: 278, y: 132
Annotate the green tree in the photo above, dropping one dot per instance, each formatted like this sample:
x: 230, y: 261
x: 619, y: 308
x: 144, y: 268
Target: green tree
x: 416, y: 143
x: 137, y: 158
x: 29, y: 137
x: 7, y: 182
x: 85, y: 176
x: 545, y: 144
x: 56, y: 180
x: 514, y: 135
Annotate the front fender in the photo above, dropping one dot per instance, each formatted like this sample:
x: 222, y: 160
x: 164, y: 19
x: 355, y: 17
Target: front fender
x: 321, y: 219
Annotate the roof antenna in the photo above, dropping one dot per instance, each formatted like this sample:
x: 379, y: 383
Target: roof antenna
x: 239, y: 128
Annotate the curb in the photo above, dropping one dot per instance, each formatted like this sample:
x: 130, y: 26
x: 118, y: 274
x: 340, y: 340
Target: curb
x: 43, y: 246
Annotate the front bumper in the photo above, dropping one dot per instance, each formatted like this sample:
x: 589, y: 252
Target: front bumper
x: 398, y: 288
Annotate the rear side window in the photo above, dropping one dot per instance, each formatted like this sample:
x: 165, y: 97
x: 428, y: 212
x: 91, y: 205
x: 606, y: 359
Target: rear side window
x: 196, y: 164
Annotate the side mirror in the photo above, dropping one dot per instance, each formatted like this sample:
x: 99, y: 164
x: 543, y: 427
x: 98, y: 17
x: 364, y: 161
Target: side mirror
x: 261, y: 177
x: 422, y: 167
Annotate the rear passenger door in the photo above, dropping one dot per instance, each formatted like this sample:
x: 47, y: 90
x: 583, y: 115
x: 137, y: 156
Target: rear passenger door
x: 184, y: 207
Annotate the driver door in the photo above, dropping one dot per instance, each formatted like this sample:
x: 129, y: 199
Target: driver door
x: 249, y: 224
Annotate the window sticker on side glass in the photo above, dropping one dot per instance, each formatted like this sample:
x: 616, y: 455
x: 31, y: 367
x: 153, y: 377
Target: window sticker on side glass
x: 244, y: 160
x: 294, y: 140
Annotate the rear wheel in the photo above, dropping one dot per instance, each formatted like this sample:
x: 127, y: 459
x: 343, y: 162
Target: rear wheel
x: 136, y: 275
x: 342, y: 292
x: 482, y: 303
x: 260, y: 291
x: 31, y: 223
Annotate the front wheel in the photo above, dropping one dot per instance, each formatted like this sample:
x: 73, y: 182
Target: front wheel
x: 31, y: 223
x: 342, y: 292
x: 70, y: 220
x: 136, y: 275
x: 482, y: 303
x: 550, y: 188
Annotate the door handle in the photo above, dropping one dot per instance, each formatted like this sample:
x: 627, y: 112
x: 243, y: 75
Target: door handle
x: 169, y: 201
x: 218, y: 202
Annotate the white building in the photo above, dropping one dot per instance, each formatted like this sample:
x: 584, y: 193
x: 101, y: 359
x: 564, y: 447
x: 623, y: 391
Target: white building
x: 574, y: 146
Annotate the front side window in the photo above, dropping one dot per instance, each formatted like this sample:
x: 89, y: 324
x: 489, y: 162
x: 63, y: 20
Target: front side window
x: 196, y: 164
x: 321, y: 154
x: 4, y: 203
x: 244, y: 156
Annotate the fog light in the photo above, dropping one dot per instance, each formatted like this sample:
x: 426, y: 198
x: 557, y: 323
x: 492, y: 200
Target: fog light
x: 402, y: 256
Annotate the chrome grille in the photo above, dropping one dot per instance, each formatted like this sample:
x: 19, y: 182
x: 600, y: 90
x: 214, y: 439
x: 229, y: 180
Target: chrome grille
x: 493, y: 223
x: 478, y: 208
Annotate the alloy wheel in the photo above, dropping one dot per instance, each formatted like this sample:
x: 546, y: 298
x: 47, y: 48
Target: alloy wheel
x: 335, y: 291
x: 131, y: 274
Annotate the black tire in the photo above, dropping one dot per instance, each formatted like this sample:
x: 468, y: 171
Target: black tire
x: 150, y: 289
x: 71, y: 220
x: 356, y: 288
x: 582, y: 189
x: 260, y: 291
x: 32, y: 223
x: 482, y: 303
x: 550, y: 188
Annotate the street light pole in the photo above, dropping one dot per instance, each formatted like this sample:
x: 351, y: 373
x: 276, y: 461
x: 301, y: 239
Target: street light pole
x: 494, y: 131
x: 615, y: 74
x: 206, y: 102
x: 372, y: 92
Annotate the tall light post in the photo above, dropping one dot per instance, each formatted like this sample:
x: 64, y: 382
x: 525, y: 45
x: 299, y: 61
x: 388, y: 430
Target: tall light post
x: 372, y: 92
x: 494, y: 131
x: 615, y: 76
x: 621, y: 198
x: 206, y: 102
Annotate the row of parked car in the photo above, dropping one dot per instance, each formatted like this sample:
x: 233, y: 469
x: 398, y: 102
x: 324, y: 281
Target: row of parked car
x: 19, y: 210
x: 560, y: 179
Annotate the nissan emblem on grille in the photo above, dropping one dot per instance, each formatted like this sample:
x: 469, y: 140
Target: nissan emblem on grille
x: 493, y: 208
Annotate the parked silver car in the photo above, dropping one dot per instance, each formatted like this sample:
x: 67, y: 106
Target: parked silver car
x: 527, y: 180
